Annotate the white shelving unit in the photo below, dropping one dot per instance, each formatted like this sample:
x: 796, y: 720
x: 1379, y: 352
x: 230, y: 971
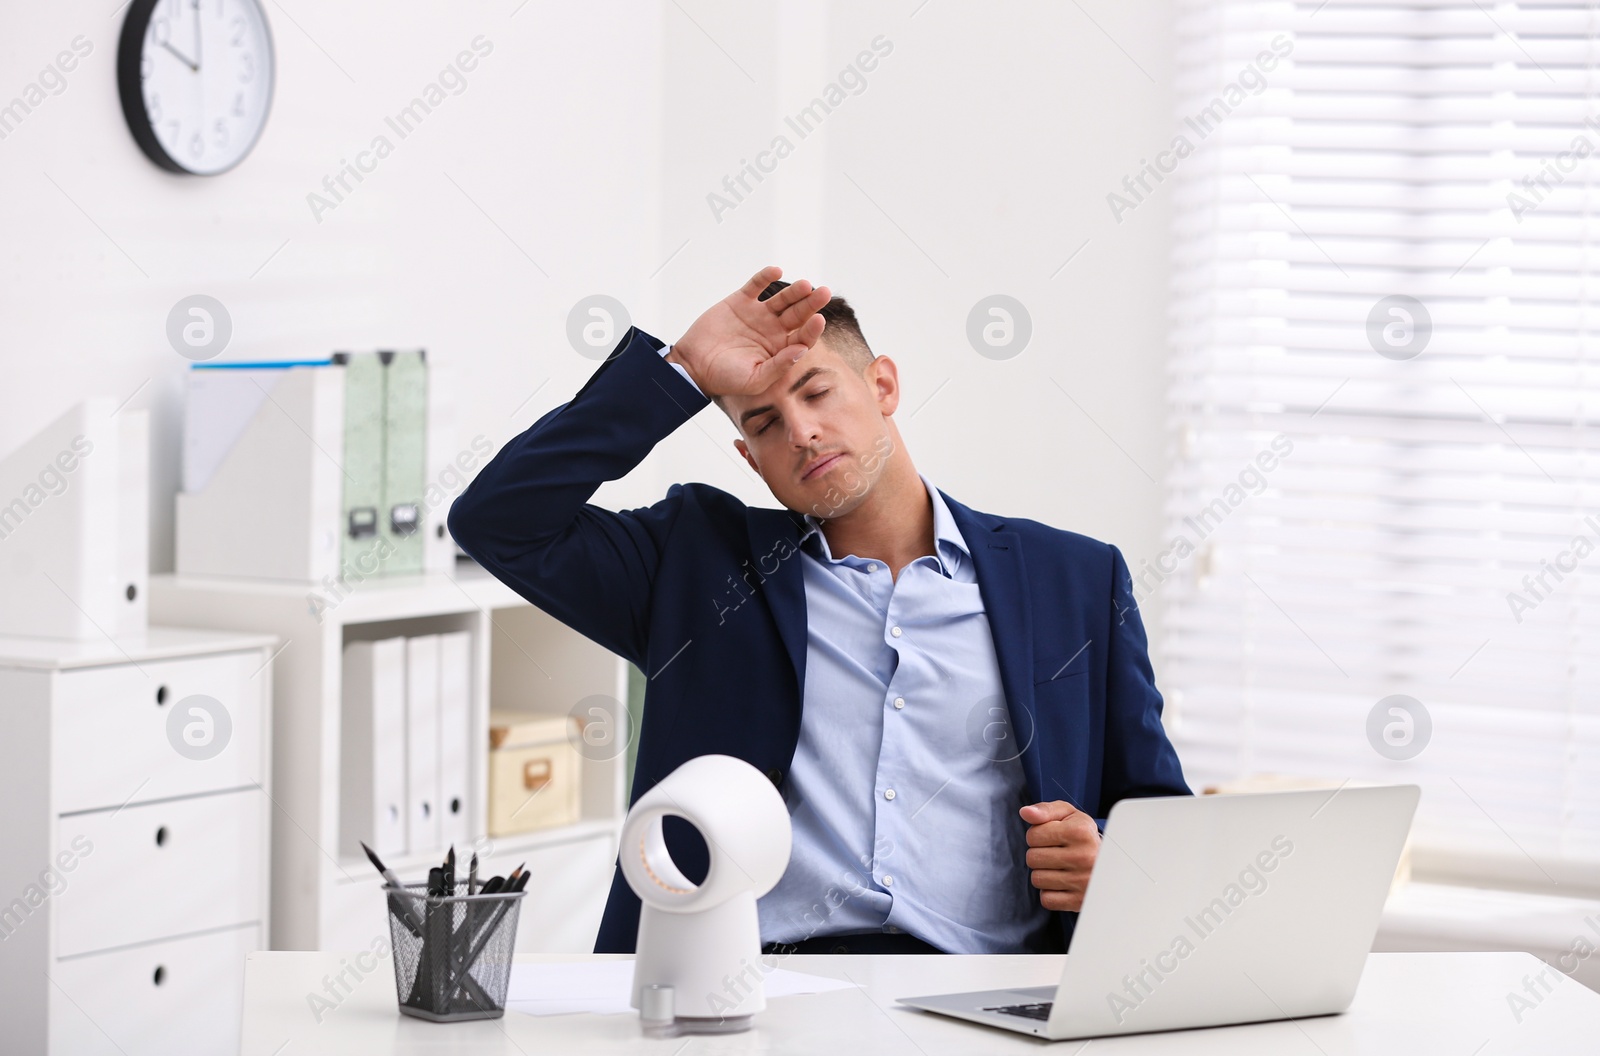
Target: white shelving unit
x: 522, y: 660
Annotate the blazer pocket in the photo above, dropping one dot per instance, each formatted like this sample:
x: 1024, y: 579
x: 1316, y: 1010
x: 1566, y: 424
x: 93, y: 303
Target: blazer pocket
x: 1060, y: 668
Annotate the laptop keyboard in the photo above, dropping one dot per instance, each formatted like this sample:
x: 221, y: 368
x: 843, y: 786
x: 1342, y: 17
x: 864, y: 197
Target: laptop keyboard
x: 1037, y: 1010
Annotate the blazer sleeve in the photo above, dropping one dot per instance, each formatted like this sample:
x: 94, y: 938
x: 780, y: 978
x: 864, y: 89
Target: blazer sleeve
x: 1139, y: 759
x: 526, y: 517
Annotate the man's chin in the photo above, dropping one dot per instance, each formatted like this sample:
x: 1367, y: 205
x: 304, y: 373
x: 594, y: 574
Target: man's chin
x: 823, y: 502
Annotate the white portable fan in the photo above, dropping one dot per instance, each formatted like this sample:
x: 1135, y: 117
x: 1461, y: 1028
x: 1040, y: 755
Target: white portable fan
x: 697, y: 966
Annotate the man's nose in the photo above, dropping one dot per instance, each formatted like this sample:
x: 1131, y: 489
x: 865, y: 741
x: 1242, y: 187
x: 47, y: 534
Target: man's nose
x: 803, y: 429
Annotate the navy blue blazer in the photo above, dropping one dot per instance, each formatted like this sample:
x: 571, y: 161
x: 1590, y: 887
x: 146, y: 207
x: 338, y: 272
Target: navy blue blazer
x: 705, y: 596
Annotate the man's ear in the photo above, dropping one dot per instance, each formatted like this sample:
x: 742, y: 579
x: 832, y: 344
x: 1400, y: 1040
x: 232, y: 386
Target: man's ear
x: 743, y: 449
x: 883, y: 378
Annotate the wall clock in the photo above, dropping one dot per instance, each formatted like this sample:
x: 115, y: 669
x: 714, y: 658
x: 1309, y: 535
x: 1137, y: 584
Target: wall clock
x: 196, y: 81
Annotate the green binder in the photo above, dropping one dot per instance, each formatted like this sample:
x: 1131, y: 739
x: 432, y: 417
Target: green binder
x: 363, y: 464
x: 385, y: 468
x: 405, y: 434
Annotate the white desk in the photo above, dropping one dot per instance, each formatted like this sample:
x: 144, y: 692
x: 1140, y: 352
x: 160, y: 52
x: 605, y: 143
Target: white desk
x: 1408, y: 1004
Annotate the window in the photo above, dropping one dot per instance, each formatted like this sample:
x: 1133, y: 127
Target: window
x: 1384, y: 491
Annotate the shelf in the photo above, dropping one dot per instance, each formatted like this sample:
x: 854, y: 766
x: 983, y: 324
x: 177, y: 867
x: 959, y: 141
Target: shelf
x: 468, y: 589
x: 521, y: 658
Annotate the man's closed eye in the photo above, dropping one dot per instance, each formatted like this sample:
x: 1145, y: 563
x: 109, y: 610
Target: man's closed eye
x: 813, y: 396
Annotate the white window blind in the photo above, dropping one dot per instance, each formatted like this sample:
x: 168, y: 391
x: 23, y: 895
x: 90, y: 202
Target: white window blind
x: 1441, y: 151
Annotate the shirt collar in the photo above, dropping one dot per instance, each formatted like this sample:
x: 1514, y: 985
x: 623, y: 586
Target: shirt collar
x: 951, y: 547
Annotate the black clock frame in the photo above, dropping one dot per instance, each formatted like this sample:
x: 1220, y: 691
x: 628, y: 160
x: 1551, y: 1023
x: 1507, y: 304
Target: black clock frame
x: 130, y: 52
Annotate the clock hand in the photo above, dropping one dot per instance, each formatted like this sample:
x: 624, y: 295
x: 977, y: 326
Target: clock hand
x: 182, y: 57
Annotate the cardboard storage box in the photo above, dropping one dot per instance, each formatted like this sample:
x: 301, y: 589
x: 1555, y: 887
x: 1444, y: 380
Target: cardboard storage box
x: 533, y: 771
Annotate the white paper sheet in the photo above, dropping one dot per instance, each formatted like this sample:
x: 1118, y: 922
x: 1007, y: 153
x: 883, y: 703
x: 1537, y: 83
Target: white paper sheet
x: 603, y: 987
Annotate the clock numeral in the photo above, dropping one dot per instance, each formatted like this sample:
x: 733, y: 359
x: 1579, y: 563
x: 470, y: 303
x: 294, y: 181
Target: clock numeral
x: 145, y: 68
x: 176, y: 128
x: 161, y: 30
x: 238, y: 33
x: 238, y: 105
x: 197, y: 145
x: 221, y: 133
x: 248, y: 73
x: 153, y: 107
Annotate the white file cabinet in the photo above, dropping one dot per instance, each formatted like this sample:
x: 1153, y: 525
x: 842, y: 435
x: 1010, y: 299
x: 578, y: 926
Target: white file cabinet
x: 135, y: 818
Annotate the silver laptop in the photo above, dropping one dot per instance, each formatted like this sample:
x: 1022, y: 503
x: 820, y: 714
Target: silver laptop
x: 1209, y: 910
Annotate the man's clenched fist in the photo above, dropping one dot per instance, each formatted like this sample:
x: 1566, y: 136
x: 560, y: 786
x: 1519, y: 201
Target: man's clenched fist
x: 1063, y: 843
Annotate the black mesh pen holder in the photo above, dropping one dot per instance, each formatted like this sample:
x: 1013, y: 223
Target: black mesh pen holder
x: 452, y: 954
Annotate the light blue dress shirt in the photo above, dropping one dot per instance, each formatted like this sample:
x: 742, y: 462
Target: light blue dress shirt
x: 904, y: 813
x: 903, y: 800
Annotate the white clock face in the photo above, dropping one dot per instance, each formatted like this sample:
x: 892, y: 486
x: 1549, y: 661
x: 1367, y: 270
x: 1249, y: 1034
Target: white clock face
x: 205, y: 72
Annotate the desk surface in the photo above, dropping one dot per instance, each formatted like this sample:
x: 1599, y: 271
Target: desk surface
x: 1408, y: 1003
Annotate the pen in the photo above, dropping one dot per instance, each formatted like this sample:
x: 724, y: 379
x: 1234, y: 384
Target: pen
x: 394, y: 881
x: 472, y: 875
x: 435, y: 926
x: 397, y: 903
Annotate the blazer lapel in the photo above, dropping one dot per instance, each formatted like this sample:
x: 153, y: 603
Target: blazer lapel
x: 1002, y: 583
x: 774, y: 538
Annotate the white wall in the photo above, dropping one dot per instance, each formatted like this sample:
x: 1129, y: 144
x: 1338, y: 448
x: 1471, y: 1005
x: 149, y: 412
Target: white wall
x: 555, y: 137
x: 976, y: 161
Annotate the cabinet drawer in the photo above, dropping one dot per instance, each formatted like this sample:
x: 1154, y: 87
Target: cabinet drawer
x: 123, y: 731
x: 160, y: 869
x: 182, y: 998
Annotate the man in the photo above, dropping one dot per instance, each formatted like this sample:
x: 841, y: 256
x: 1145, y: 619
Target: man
x: 949, y: 701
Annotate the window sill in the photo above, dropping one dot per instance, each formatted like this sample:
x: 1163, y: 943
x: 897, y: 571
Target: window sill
x: 1432, y: 917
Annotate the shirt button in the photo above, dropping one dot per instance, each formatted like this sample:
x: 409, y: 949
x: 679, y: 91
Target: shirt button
x: 871, y: 567
x: 895, y: 631
x: 888, y: 793
x: 899, y: 702
x: 888, y: 881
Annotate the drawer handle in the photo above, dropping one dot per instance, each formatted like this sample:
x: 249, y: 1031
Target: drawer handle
x: 159, y: 976
x: 161, y: 836
x: 535, y: 774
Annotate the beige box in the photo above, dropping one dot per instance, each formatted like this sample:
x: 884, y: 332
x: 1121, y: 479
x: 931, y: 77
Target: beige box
x: 533, y: 771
